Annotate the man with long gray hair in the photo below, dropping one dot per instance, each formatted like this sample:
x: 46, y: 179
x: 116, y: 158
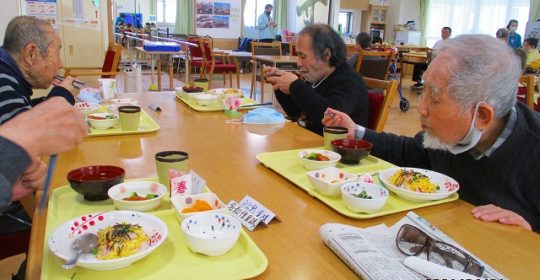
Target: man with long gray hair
x: 472, y: 131
x: 30, y: 58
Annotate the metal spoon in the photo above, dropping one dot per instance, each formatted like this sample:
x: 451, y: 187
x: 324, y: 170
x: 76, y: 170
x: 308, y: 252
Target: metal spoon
x: 82, y: 245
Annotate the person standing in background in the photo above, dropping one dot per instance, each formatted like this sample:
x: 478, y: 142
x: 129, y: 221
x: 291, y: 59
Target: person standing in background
x: 266, y: 25
x: 514, y: 39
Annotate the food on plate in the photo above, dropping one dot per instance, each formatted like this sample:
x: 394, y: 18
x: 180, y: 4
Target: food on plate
x: 120, y: 240
x: 317, y: 157
x: 363, y: 194
x: 135, y: 197
x: 198, y: 206
x: 414, y: 181
x: 232, y: 91
x: 106, y: 117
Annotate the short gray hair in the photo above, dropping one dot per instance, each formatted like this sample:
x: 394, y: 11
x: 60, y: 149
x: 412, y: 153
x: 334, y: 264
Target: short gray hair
x: 24, y: 30
x: 481, y: 68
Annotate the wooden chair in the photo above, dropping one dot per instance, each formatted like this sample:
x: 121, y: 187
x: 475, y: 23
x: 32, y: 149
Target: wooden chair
x: 258, y: 48
x: 108, y: 70
x: 219, y: 63
x: 292, y: 48
x: 196, y: 57
x: 374, y: 64
x: 526, y: 93
x: 18, y: 242
x: 381, y: 94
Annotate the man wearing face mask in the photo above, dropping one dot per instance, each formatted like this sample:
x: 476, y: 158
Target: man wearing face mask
x: 266, y: 25
x: 472, y: 131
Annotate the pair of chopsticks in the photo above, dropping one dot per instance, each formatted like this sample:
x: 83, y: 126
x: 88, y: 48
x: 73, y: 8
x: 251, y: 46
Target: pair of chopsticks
x: 45, y: 194
x: 76, y: 83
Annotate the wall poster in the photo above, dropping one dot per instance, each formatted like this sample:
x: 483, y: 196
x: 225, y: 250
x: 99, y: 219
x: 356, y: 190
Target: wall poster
x: 312, y: 11
x: 218, y: 18
x: 43, y: 9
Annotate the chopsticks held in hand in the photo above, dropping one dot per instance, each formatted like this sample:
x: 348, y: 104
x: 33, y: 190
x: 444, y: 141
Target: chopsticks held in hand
x: 76, y: 83
x: 44, y: 195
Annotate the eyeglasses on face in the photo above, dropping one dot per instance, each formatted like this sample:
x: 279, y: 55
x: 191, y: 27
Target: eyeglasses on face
x: 412, y: 241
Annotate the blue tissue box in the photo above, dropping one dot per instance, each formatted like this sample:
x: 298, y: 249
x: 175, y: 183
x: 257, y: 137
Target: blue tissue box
x: 161, y: 47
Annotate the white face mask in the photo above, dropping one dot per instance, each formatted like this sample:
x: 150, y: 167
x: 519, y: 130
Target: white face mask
x: 468, y: 142
x: 513, y: 28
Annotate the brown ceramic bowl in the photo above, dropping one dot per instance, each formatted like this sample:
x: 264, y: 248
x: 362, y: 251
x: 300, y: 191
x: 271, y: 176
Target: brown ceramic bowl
x: 93, y: 182
x: 351, y: 151
x: 190, y: 89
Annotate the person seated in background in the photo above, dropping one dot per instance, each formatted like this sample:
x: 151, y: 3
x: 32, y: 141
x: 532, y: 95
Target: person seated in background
x: 30, y: 58
x: 472, y: 131
x: 363, y: 42
x: 529, y: 46
x: 327, y: 80
x: 419, y: 68
x: 502, y: 34
x: 376, y: 40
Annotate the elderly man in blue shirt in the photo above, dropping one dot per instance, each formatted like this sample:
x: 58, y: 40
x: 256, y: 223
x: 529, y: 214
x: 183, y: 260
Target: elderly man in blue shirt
x: 266, y: 25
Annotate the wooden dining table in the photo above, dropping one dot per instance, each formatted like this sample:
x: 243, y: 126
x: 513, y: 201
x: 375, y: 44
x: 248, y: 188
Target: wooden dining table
x: 224, y: 154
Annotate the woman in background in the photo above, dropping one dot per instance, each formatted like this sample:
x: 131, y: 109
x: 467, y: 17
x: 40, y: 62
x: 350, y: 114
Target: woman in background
x: 514, y: 39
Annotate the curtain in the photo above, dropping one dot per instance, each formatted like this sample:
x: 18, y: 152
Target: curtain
x: 424, y: 8
x: 185, y: 17
x: 281, y: 14
x: 534, y: 13
x: 474, y: 16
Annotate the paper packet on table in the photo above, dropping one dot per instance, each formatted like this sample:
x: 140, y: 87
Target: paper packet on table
x: 185, y: 183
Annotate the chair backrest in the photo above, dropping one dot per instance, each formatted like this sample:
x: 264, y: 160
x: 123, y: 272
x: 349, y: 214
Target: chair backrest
x: 374, y: 64
x: 258, y: 48
x: 292, y: 48
x: 112, y: 58
x: 195, y: 51
x: 381, y: 94
x: 528, y: 81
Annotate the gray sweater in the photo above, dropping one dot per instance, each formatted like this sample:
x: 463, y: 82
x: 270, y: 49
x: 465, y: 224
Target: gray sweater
x: 13, y: 162
x: 507, y: 178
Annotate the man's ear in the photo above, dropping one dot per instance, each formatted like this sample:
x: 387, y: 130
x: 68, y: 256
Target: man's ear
x: 326, y: 55
x: 30, y: 53
x: 485, y: 116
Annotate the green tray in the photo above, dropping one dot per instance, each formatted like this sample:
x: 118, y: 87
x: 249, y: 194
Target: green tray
x: 245, y: 259
x: 289, y: 165
x: 217, y: 106
x: 147, y: 125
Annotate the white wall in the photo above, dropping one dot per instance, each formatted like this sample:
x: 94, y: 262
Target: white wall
x: 399, y: 12
x: 10, y: 9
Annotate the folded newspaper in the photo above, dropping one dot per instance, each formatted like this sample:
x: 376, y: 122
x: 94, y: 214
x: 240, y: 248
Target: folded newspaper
x: 372, y: 252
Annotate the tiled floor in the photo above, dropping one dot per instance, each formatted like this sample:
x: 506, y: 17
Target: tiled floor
x: 404, y: 123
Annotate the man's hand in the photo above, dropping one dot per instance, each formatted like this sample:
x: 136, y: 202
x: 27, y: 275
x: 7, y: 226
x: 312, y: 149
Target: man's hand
x: 51, y: 127
x: 336, y: 118
x: 280, y: 80
x: 67, y: 83
x: 492, y: 213
x: 31, y: 181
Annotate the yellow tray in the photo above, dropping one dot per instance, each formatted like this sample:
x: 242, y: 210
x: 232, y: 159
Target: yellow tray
x: 289, y: 165
x: 171, y: 260
x: 146, y: 125
x: 217, y: 106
